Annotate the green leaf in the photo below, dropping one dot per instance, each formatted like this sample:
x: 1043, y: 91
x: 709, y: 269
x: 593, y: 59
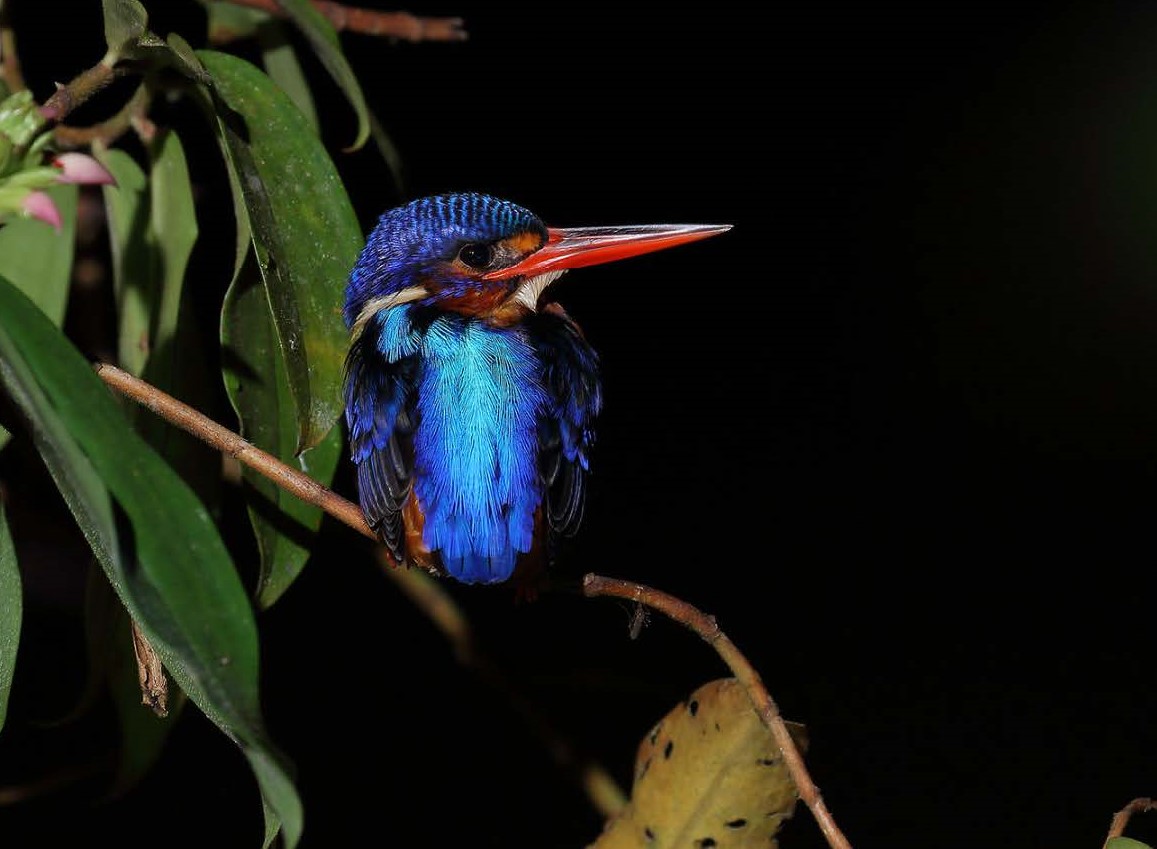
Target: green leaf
x: 173, y: 232
x: 323, y: 39
x: 10, y: 614
x: 20, y: 121
x: 38, y: 259
x: 134, y: 281
x: 173, y: 363
x: 125, y: 23
x: 128, y: 36
x: 153, y: 227
x: 305, y: 232
x: 1125, y: 843
x: 390, y: 155
x: 228, y: 22
x: 171, y: 570
x: 258, y: 387
x: 280, y: 61
x: 181, y: 56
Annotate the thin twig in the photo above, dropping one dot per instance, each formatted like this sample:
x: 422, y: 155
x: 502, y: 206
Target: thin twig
x: 131, y: 115
x: 15, y: 794
x: 440, y: 608
x: 223, y: 439
x: 419, y: 587
x: 9, y: 59
x: 1121, y: 818
x: 401, y: 25
x: 79, y: 89
x: 707, y: 628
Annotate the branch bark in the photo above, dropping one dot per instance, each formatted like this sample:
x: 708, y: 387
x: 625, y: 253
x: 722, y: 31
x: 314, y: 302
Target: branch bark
x: 401, y: 25
x: 1122, y: 817
x: 445, y: 614
x: 707, y: 628
x: 422, y: 590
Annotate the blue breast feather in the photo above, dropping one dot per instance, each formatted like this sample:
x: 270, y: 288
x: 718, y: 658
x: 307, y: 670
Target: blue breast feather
x: 495, y: 420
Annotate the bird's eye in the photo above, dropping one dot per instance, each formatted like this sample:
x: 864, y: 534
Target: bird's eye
x: 476, y: 255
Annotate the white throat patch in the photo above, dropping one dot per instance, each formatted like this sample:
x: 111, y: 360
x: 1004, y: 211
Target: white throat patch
x: 528, y: 293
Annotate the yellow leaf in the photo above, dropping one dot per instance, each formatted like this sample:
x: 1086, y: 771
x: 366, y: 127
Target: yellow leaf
x: 708, y: 775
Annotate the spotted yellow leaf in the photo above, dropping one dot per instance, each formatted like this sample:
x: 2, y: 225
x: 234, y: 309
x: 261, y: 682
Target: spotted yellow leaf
x: 708, y: 775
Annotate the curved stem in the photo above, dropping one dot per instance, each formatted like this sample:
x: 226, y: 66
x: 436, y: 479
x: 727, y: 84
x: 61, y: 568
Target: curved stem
x: 9, y: 59
x: 401, y: 25
x: 1122, y: 817
x: 707, y: 628
x: 132, y: 114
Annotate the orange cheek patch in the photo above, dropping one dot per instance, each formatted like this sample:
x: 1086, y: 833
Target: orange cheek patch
x: 524, y: 242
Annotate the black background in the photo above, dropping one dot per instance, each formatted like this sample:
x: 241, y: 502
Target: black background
x: 895, y: 430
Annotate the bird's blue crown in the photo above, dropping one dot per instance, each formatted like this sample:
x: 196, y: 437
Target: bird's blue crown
x: 417, y: 239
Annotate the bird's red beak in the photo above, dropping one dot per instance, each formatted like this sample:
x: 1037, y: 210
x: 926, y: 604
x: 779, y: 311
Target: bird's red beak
x: 575, y: 247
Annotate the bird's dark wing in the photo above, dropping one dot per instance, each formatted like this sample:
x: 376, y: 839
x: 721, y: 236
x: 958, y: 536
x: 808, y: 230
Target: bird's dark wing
x: 566, y: 431
x: 380, y: 413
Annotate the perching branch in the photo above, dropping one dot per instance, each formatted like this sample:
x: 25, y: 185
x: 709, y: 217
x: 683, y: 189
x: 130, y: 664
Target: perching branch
x: 420, y: 588
x: 401, y: 25
x: 225, y: 440
x: 442, y: 610
x: 1121, y: 818
x: 707, y: 628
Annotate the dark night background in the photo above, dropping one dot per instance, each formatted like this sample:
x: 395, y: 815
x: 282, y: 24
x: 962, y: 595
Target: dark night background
x: 896, y: 431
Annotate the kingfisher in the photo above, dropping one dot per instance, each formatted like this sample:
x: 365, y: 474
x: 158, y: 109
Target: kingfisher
x: 470, y: 394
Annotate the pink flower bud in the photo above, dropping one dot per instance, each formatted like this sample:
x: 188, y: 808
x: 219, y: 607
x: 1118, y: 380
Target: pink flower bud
x: 82, y: 168
x: 40, y: 206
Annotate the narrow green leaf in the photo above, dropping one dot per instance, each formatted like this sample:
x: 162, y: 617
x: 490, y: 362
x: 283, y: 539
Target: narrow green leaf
x: 38, y: 259
x: 305, y: 232
x: 11, y: 607
x: 171, y: 235
x: 323, y: 39
x: 173, y: 572
x: 153, y: 228
x: 173, y: 232
x: 258, y: 388
x: 134, y: 278
x: 125, y: 22
x: 181, y: 56
x: 280, y: 61
x: 228, y: 22
x: 390, y: 155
